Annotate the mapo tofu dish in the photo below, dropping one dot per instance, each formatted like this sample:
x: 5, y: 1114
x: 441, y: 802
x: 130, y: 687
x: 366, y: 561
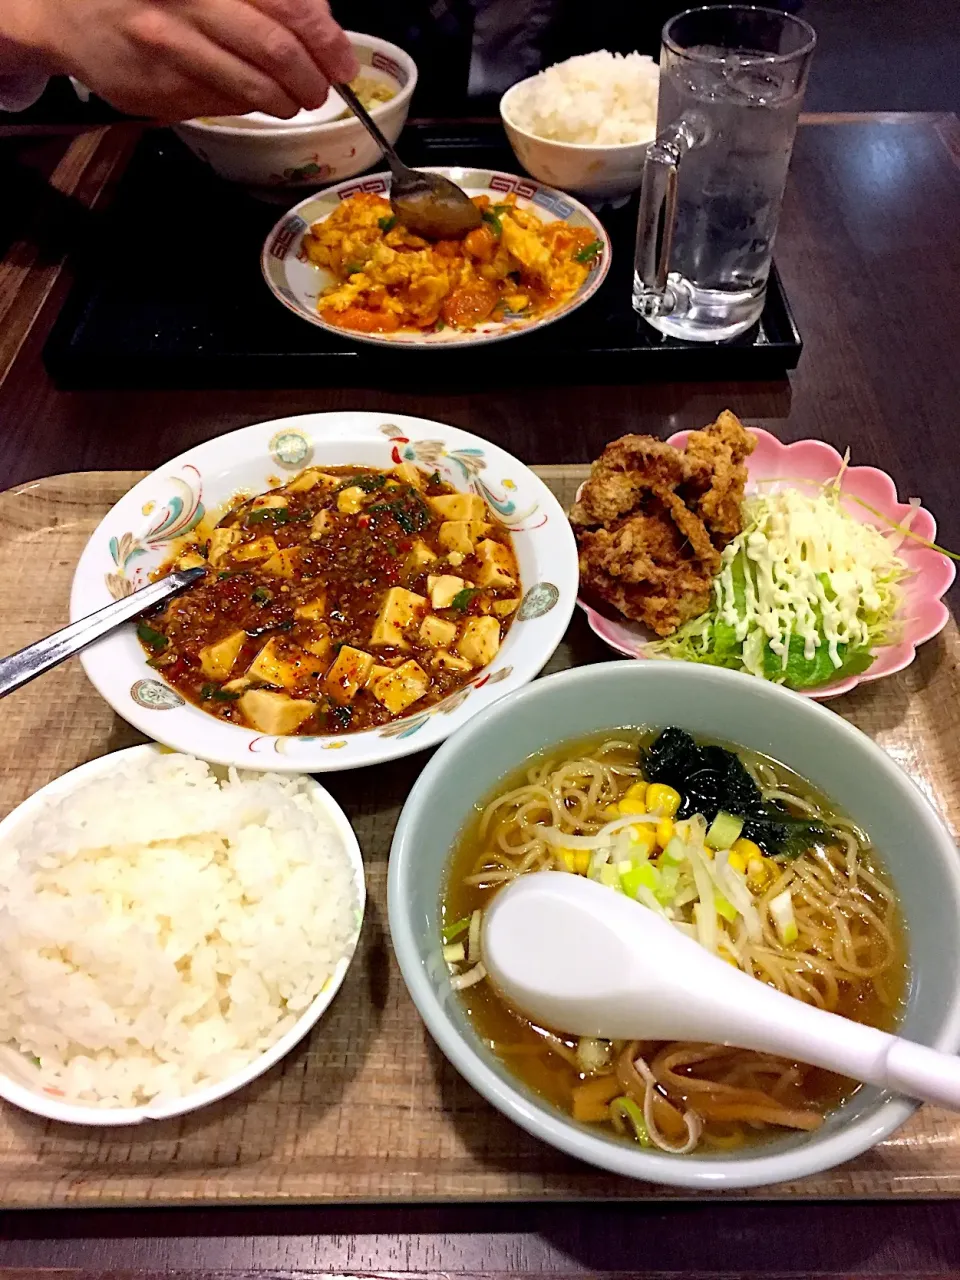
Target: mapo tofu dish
x: 388, y: 279
x: 341, y: 601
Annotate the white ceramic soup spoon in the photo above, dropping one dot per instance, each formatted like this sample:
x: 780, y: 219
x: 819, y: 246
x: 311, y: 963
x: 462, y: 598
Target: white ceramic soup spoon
x: 584, y: 960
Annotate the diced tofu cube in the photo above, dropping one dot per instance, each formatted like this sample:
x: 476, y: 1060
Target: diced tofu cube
x: 418, y: 558
x: 459, y: 506
x: 497, y: 568
x: 402, y: 687
x: 285, y: 668
x: 410, y: 474
x: 437, y: 633
x: 504, y: 608
x: 348, y: 674
x: 321, y: 524
x: 269, y: 500
x: 399, y: 611
x: 376, y: 671
x: 443, y: 587
x: 461, y: 535
x: 274, y: 712
x: 313, y: 609
x: 283, y: 564
x: 259, y: 549
x: 450, y: 662
x: 190, y: 560
x: 221, y: 542
x: 318, y: 647
x: 480, y: 641
x: 351, y: 500
x: 267, y: 666
x: 310, y: 479
x: 216, y: 660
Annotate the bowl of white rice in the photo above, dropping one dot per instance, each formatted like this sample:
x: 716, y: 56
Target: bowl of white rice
x: 584, y: 125
x: 168, y: 932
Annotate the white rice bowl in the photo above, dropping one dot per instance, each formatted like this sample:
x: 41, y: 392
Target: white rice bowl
x: 598, y: 99
x: 167, y: 932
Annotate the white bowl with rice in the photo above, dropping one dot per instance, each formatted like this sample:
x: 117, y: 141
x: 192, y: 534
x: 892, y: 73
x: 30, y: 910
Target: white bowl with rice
x: 314, y: 147
x: 168, y: 933
x: 584, y: 125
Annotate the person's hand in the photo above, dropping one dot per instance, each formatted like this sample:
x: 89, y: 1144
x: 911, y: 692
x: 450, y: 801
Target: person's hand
x: 174, y: 59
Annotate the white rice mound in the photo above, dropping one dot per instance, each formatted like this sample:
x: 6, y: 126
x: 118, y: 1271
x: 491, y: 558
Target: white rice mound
x: 161, y: 927
x: 600, y: 98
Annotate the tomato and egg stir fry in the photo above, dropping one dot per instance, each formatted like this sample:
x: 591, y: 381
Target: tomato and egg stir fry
x: 338, y: 602
x: 389, y: 279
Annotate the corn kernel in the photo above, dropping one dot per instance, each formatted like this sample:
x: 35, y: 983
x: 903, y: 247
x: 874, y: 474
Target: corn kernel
x: 737, y: 861
x: 612, y: 811
x: 630, y: 804
x: 746, y: 848
x: 665, y: 830
x: 637, y: 791
x: 581, y: 861
x: 643, y: 839
x: 663, y: 799
x: 567, y: 855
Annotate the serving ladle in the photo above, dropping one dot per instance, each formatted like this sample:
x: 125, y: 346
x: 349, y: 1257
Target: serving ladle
x: 427, y: 204
x: 579, y: 958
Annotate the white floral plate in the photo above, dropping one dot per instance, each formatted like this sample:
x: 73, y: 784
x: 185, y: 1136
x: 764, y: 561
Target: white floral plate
x: 298, y: 283
x: 135, y: 536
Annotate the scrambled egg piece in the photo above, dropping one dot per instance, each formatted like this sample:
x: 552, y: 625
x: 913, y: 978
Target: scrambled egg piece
x: 389, y: 279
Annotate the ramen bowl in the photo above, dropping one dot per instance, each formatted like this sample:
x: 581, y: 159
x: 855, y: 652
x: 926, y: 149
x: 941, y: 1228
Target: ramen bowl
x: 834, y: 757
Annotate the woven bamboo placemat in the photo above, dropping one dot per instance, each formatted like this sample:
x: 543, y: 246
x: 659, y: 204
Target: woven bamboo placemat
x: 367, y: 1108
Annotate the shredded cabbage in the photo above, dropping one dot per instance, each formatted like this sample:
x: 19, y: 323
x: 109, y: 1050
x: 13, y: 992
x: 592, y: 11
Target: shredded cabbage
x: 804, y: 593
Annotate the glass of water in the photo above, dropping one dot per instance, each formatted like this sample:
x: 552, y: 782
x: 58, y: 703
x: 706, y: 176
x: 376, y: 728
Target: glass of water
x: 731, y: 82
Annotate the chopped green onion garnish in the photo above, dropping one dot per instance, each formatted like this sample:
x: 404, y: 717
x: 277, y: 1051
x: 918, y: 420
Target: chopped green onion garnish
x: 279, y: 515
x: 154, y: 640
x: 624, y: 1115
x: 588, y: 253
x: 387, y: 223
x: 262, y: 595
x: 490, y: 217
x: 461, y: 601
x: 451, y: 931
x: 724, y: 830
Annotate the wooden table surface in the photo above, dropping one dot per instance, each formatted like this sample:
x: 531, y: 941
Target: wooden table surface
x: 869, y: 250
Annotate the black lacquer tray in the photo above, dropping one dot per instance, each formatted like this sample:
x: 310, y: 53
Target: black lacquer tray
x: 171, y: 295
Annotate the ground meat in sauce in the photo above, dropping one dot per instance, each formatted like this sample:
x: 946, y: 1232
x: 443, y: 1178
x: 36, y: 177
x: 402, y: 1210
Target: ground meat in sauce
x: 300, y: 620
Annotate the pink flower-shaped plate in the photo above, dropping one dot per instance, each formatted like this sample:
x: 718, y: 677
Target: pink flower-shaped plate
x: 931, y: 574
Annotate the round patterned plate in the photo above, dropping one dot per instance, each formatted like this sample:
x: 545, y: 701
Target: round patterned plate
x: 924, y: 613
x: 298, y: 283
x: 135, y: 537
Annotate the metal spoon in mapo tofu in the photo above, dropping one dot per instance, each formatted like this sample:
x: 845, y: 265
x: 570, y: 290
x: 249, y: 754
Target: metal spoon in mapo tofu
x: 340, y: 601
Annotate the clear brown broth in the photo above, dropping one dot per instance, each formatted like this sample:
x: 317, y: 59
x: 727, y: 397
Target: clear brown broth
x: 521, y: 1046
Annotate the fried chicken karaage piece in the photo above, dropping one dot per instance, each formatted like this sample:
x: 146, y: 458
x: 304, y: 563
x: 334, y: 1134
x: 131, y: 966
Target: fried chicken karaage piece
x: 651, y: 521
x: 720, y: 450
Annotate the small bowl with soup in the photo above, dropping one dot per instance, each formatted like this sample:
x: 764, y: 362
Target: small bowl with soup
x: 765, y: 826
x: 314, y: 147
x: 370, y: 583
